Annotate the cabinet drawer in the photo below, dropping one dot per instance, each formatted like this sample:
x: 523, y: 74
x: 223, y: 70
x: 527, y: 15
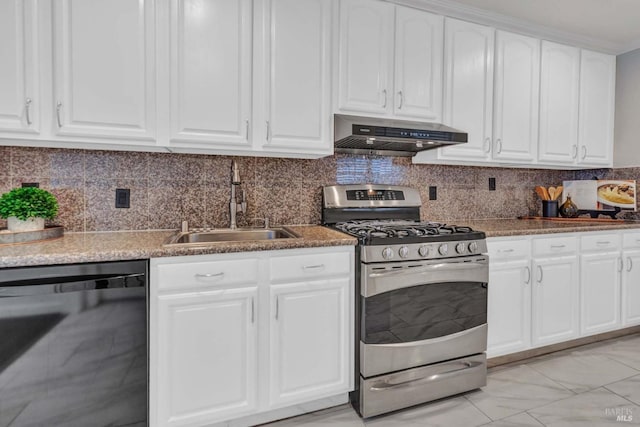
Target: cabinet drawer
x: 554, y: 245
x: 631, y: 239
x: 222, y: 273
x: 311, y: 266
x: 599, y: 242
x: 508, y: 249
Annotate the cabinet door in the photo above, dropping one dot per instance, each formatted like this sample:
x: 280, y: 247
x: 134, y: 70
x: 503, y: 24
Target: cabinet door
x: 631, y: 289
x: 509, y: 308
x: 555, y: 300
x: 19, y: 90
x: 104, y: 68
x: 468, y: 87
x: 599, y: 292
x: 365, y: 58
x: 517, y: 91
x: 292, y: 92
x: 597, y: 105
x: 418, y: 64
x: 210, y: 72
x: 559, y: 83
x: 206, y: 357
x: 309, y: 341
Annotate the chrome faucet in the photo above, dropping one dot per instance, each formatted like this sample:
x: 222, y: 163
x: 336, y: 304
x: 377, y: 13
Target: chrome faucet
x: 234, y: 206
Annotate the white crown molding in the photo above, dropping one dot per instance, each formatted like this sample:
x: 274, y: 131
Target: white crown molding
x: 457, y: 10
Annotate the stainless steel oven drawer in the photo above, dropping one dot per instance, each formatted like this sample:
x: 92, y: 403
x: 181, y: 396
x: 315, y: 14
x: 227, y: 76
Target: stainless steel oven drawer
x: 399, y: 390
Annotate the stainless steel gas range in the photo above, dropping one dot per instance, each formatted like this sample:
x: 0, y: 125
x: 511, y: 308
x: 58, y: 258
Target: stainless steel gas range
x: 421, y: 292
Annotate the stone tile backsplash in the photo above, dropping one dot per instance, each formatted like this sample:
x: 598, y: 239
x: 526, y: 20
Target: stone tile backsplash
x: 169, y: 188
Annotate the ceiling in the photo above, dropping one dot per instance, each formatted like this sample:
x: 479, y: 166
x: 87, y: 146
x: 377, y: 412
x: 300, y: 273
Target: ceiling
x: 608, y: 25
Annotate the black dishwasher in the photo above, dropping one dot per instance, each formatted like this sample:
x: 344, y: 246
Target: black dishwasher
x: 73, y: 345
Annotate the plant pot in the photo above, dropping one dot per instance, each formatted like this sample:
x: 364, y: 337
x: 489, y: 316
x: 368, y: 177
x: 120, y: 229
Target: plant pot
x: 30, y: 224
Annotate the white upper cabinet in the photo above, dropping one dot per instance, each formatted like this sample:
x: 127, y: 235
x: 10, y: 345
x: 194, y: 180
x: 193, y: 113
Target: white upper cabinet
x: 104, y: 69
x: 208, y: 90
x: 379, y: 77
x: 597, y: 105
x: 418, y: 65
x: 468, y: 87
x: 366, y: 48
x: 292, y: 91
x: 19, y: 90
x: 559, y: 91
x: 516, y: 95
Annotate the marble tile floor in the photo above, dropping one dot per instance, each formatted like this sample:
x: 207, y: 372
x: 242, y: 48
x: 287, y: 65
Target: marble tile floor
x: 594, y: 385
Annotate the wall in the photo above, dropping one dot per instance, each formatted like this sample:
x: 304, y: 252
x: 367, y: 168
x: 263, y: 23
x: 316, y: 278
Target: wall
x: 167, y: 188
x: 627, y: 126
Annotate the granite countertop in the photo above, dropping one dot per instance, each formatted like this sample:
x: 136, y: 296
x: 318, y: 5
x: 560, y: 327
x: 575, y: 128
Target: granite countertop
x: 125, y: 245
x: 520, y: 227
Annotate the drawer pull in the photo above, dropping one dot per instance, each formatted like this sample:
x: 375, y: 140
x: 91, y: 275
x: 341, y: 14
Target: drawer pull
x: 528, y: 270
x: 382, y: 386
x: 277, y: 307
x: 209, y: 275
x: 558, y: 246
x: 540, y: 274
x: 629, y: 264
x: 505, y: 251
x: 313, y: 267
x: 620, y: 264
x: 253, y: 310
x: 603, y: 242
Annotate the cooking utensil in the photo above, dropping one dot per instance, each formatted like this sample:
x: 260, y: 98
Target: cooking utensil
x: 559, y: 190
x: 542, y: 193
x: 552, y: 193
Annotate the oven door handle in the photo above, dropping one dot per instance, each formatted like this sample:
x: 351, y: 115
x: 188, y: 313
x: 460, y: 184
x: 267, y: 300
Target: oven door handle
x: 456, y: 266
x: 434, y: 377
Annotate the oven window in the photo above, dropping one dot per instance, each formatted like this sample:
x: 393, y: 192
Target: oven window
x: 423, y: 312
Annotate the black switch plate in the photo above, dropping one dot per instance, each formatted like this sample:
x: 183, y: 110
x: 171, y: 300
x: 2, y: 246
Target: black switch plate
x: 31, y: 184
x: 433, y: 192
x: 123, y: 197
x: 492, y: 184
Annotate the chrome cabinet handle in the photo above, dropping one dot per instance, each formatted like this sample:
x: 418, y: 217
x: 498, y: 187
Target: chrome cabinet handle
x: 557, y: 246
x: 620, y: 264
x: 498, y: 146
x: 314, y: 267
x: 246, y: 130
x: 486, y: 145
x: 603, y: 242
x: 277, y: 306
x: 209, y: 275
x: 584, y: 152
x: 384, y: 93
x: 268, y: 129
x: 540, y: 276
x: 27, y: 106
x: 575, y: 151
x: 401, y: 100
x: 58, y: 107
x: 505, y: 250
x: 629, y: 264
x: 253, y: 310
x: 528, y: 270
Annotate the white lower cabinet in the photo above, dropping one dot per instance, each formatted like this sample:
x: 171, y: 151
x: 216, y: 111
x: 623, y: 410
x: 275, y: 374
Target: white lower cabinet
x: 630, y: 292
x: 230, y: 337
x: 207, y: 358
x: 555, y: 300
x: 309, y: 346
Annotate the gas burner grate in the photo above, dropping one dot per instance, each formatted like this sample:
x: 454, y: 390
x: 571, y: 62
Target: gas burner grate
x: 399, y: 229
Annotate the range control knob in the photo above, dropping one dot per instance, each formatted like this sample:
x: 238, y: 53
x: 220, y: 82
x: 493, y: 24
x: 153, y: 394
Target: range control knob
x: 424, y: 251
x: 387, y: 253
x: 443, y: 249
x: 473, y: 247
x: 460, y: 247
x: 403, y: 252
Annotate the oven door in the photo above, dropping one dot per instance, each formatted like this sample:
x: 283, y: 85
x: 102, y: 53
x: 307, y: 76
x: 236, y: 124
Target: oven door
x: 417, y: 313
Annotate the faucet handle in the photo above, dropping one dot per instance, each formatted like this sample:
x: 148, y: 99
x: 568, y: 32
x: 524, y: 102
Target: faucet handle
x: 243, y: 204
x: 265, y: 221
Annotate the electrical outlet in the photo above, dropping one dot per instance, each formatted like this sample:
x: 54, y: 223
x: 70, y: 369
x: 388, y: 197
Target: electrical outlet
x: 123, y: 198
x: 31, y: 184
x: 492, y: 184
x: 433, y: 192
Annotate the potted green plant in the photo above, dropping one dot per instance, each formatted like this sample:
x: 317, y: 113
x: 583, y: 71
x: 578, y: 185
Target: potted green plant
x: 26, y: 208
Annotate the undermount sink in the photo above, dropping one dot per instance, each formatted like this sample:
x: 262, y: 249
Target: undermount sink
x: 228, y: 235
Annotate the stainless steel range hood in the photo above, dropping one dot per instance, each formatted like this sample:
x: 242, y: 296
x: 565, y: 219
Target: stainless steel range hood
x: 384, y: 137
